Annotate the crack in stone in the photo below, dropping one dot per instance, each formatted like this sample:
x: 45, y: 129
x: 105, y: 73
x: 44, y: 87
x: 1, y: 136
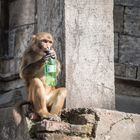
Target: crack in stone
x: 97, y: 119
x: 127, y: 117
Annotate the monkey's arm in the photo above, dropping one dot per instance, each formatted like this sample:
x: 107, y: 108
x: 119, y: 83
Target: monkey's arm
x: 29, y: 70
x: 58, y: 69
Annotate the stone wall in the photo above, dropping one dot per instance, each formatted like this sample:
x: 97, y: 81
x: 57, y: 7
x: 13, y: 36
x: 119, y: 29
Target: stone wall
x: 127, y: 54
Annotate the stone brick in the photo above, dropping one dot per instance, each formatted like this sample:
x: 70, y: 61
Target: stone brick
x: 10, y: 85
x: 120, y: 69
x: 21, y: 13
x: 118, y: 18
x: 126, y: 88
x: 52, y: 126
x: 133, y: 11
x: 134, y: 3
x: 116, y: 47
x: 131, y: 71
x: 129, y: 50
x: 132, y: 21
x: 61, y: 127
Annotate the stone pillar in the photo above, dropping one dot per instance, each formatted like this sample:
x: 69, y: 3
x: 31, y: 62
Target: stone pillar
x: 18, y: 21
x: 83, y: 30
x: 89, y: 53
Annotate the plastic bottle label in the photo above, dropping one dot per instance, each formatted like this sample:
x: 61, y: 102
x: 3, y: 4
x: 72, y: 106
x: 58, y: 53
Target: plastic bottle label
x: 51, y: 68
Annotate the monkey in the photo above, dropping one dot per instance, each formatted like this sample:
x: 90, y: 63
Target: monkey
x: 47, y: 100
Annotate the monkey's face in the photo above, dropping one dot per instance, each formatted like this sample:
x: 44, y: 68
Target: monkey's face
x: 42, y: 43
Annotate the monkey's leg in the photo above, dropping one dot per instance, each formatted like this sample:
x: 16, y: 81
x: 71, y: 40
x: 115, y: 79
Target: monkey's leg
x: 38, y: 97
x: 57, y: 100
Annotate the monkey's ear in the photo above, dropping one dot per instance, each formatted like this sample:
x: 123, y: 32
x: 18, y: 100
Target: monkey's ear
x: 33, y: 36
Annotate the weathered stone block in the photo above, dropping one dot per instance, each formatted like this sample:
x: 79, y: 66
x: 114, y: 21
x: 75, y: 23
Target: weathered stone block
x: 10, y: 85
x: 50, y: 126
x: 126, y: 88
x: 116, y: 47
x: 120, y: 69
x: 133, y: 11
x: 129, y: 50
x: 61, y: 127
x: 131, y: 71
x: 134, y: 3
x: 21, y: 13
x: 118, y: 18
x: 132, y: 21
x: 81, y: 125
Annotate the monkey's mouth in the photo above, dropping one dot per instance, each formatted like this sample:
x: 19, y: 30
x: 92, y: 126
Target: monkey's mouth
x: 47, y: 52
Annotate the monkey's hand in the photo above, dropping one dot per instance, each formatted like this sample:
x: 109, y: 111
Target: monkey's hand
x: 44, y: 58
x: 52, y: 54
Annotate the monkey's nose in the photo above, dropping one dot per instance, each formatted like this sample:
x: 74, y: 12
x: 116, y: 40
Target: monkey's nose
x: 48, y: 48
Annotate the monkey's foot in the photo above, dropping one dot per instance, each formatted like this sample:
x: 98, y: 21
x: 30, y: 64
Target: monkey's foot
x: 34, y: 117
x: 52, y: 118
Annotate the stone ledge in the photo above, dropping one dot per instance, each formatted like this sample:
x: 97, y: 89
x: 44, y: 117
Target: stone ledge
x: 76, y: 124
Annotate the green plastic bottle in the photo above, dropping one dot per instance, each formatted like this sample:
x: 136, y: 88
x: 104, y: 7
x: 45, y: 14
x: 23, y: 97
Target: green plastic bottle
x: 50, y: 72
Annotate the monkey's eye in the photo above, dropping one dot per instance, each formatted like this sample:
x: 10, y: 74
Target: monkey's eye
x: 46, y: 41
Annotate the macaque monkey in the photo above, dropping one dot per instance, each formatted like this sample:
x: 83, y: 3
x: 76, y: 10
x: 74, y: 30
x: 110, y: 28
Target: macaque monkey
x: 47, y: 100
